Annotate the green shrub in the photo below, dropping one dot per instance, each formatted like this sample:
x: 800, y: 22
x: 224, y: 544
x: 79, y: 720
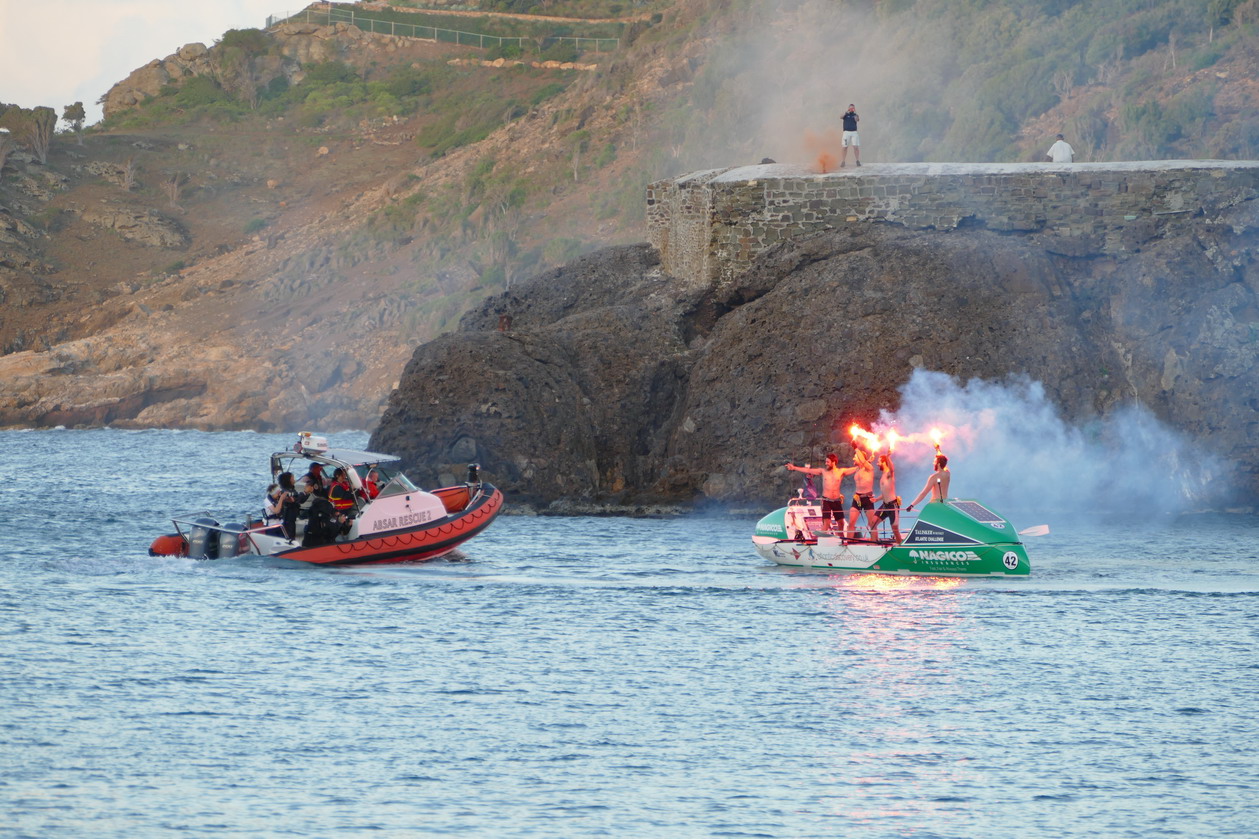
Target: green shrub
x: 198, y: 92
x: 546, y: 92
x: 606, y: 156
x: 51, y: 219
x: 494, y: 276
x: 561, y: 250
x: 249, y: 41
x: 408, y: 81
x: 1207, y: 56
x: 328, y: 72
x: 563, y: 51
x: 256, y: 224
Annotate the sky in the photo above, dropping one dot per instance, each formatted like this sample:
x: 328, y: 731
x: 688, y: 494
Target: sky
x: 58, y: 52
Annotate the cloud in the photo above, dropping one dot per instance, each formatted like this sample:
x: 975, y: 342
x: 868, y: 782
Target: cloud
x: 58, y: 52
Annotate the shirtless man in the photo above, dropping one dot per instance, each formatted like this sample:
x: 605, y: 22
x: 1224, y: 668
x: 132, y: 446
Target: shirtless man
x: 937, y: 484
x: 863, y: 497
x: 890, y: 508
x: 832, y: 495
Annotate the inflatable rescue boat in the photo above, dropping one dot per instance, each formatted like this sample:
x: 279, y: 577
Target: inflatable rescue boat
x: 400, y: 523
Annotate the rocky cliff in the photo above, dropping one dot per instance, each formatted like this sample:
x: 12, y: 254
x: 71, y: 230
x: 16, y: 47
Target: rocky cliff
x: 618, y: 385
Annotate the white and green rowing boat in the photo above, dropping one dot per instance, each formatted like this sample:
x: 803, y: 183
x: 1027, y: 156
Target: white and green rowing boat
x: 952, y: 538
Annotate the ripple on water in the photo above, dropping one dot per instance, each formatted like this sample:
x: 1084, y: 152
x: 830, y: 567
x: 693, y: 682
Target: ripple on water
x: 576, y: 677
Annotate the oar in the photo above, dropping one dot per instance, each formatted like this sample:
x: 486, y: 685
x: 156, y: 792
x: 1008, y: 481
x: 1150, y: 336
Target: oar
x: 1035, y: 530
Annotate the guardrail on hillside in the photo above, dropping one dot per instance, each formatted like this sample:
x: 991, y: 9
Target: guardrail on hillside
x: 328, y: 17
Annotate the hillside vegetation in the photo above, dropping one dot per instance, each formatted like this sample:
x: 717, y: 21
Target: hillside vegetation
x: 310, y: 180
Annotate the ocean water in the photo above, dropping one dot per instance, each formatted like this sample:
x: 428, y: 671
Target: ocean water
x: 600, y: 676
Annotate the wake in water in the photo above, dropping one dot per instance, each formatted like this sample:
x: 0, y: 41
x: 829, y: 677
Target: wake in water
x: 1008, y: 443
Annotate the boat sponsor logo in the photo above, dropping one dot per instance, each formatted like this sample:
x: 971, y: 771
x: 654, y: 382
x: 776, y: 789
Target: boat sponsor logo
x: 404, y: 520
x: 1010, y: 560
x: 771, y: 530
x: 945, y: 556
x: 929, y: 534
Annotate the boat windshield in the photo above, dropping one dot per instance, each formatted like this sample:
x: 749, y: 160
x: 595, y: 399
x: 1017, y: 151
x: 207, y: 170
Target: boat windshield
x: 399, y: 484
x: 384, y: 474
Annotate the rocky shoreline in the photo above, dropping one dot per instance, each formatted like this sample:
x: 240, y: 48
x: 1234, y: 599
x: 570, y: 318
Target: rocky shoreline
x: 618, y: 386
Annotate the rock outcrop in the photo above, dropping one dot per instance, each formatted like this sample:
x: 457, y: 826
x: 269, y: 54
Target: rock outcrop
x: 619, y: 385
x: 138, y: 224
x: 296, y: 44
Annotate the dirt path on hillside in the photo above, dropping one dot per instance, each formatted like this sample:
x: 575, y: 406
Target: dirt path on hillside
x: 510, y: 15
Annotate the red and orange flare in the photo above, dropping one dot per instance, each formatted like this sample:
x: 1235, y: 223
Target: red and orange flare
x: 867, y: 439
x: 875, y: 442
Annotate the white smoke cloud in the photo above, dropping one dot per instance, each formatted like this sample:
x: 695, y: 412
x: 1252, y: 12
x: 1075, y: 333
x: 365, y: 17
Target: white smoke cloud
x: 1008, y: 446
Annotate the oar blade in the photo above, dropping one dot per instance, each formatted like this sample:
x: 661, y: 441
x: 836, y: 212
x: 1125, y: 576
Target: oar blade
x: 1035, y: 530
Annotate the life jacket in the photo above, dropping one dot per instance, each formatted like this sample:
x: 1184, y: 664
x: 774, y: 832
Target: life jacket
x: 341, y: 496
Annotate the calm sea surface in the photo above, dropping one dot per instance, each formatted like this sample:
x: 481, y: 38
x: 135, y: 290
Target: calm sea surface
x: 600, y: 677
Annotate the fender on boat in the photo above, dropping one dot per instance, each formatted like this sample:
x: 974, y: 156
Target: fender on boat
x: 171, y: 544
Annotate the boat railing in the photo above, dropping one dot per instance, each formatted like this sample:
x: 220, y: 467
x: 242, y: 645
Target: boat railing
x: 207, y: 538
x: 813, y: 526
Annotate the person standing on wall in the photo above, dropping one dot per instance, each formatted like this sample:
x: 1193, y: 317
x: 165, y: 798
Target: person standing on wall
x: 1061, y: 152
x: 850, y: 137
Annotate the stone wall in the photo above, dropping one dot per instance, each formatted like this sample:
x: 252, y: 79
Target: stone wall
x: 710, y: 225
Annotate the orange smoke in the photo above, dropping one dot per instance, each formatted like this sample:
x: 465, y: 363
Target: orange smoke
x: 824, y: 148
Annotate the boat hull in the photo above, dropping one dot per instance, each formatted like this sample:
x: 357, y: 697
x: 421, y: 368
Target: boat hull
x: 430, y: 540
x: 1006, y: 560
x: 415, y: 544
x: 956, y: 538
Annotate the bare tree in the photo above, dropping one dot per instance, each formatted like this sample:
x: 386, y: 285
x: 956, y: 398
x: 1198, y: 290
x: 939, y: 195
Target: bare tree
x: 173, y: 185
x: 129, y: 174
x: 1108, y: 70
x: 1062, y: 82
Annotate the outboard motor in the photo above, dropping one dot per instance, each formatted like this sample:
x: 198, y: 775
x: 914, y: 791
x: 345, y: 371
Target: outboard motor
x: 474, y: 473
x: 231, y: 540
x: 203, y: 541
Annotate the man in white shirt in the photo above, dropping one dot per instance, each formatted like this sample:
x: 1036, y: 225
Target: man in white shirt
x: 1061, y: 151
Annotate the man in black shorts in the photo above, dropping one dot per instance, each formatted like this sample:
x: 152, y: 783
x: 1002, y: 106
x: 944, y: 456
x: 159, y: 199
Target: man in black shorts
x: 832, y: 497
x: 890, y: 506
x: 863, y: 498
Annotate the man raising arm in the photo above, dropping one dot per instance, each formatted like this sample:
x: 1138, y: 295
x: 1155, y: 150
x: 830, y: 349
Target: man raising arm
x: 832, y: 478
x: 937, y: 484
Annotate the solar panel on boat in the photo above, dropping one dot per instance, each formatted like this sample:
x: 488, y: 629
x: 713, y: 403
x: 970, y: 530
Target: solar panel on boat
x: 977, y: 511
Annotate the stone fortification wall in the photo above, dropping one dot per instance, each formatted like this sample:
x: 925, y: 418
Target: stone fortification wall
x: 710, y: 225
